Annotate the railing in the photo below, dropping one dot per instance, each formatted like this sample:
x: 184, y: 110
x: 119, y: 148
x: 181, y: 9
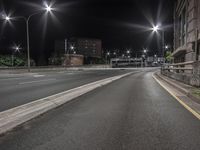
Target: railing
x: 179, y: 67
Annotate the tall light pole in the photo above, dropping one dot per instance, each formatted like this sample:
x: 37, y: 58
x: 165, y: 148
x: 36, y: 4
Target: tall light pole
x: 128, y: 52
x: 145, y: 51
x: 48, y: 8
x: 16, y: 49
x: 145, y: 56
x: 156, y: 29
x: 115, y: 54
x: 107, y: 55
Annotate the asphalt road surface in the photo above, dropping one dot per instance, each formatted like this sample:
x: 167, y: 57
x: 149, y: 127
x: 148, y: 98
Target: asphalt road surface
x: 23, y: 88
x: 133, y: 113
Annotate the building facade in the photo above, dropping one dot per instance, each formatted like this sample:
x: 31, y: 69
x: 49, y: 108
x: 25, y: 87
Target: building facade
x: 87, y: 47
x: 186, y: 31
x: 73, y: 60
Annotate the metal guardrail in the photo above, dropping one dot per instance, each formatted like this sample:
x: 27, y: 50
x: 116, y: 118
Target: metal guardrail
x: 183, y: 63
x: 179, y: 67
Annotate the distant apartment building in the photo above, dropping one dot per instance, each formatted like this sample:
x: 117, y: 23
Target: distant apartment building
x: 186, y: 31
x: 87, y: 47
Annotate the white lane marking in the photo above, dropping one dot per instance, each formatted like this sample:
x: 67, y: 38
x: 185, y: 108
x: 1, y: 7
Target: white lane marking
x: 11, y: 79
x: 66, y: 72
x: 61, y: 72
x: 20, y: 114
x: 37, y: 76
x: 36, y: 81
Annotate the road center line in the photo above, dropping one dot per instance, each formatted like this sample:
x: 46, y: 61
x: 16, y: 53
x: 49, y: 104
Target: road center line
x: 36, y: 81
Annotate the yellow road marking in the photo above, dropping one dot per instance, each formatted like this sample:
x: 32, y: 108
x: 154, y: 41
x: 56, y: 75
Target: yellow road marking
x: 196, y: 114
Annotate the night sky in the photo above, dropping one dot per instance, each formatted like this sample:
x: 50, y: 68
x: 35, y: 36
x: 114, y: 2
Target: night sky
x: 120, y: 24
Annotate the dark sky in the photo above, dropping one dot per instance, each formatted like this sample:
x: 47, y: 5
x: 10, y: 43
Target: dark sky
x: 119, y: 23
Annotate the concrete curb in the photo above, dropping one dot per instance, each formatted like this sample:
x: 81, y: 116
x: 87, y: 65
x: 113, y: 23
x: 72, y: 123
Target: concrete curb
x: 182, y: 98
x: 172, y: 84
x: 11, y: 118
x: 179, y: 88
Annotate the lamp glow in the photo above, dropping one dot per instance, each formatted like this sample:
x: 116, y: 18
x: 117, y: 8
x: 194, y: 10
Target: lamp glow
x: 7, y: 18
x: 155, y: 29
x: 48, y: 8
x: 145, y: 50
x: 72, y: 47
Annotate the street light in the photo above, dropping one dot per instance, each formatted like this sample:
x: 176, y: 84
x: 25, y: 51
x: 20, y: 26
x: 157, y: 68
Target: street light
x: 72, y: 47
x: 16, y: 49
x: 48, y: 8
x: 107, y: 55
x: 7, y: 18
x: 166, y: 47
x: 156, y: 29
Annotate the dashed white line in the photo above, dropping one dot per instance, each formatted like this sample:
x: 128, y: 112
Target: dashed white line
x: 36, y: 81
x: 10, y: 79
x: 37, y: 76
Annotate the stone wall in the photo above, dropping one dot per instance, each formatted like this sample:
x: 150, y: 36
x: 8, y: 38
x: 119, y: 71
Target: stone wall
x: 192, y: 17
x: 190, y: 79
x: 73, y: 60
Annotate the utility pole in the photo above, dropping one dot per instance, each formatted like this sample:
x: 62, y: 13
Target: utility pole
x: 163, y: 44
x: 66, y: 48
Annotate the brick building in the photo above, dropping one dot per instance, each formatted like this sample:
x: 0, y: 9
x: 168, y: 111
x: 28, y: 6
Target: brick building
x: 73, y: 60
x: 186, y: 31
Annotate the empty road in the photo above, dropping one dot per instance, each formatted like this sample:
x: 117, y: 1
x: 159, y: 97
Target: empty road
x: 20, y: 89
x: 133, y: 113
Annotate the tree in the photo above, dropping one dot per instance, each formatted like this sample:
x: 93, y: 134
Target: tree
x: 168, y: 56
